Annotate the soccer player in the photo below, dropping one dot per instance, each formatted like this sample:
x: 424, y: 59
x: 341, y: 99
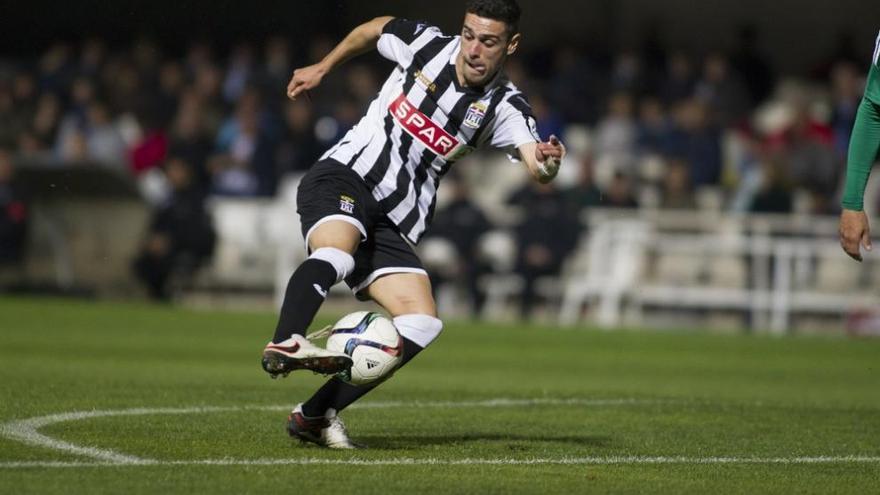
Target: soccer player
x: 863, y: 147
x: 372, y: 195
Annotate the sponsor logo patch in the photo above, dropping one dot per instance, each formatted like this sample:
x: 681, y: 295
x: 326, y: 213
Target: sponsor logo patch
x: 425, y: 82
x: 346, y: 204
x: 421, y: 127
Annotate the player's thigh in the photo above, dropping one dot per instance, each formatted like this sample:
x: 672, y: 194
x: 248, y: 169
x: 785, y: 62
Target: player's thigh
x: 336, y: 234
x: 403, y: 294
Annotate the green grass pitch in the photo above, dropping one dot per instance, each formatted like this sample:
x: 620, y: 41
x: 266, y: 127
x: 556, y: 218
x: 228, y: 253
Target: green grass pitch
x: 141, y: 399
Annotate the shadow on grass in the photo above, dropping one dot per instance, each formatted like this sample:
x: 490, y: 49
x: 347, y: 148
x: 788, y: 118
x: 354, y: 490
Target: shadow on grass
x: 515, y: 442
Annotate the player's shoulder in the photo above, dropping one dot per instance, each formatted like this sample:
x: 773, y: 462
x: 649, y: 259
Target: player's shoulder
x: 511, y: 96
x: 409, y: 30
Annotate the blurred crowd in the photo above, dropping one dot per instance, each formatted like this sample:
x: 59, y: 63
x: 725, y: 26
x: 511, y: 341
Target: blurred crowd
x: 653, y: 127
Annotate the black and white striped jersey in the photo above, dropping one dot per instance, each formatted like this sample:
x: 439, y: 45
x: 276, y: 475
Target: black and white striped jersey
x: 423, y: 120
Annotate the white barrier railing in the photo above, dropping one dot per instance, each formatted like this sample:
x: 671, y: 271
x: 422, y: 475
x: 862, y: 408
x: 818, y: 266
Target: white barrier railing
x: 786, y: 266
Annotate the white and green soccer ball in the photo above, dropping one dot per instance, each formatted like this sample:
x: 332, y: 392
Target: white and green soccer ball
x: 373, y: 343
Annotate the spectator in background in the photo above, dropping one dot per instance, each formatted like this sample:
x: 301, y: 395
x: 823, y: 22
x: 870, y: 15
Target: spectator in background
x: 653, y: 128
x: 584, y: 193
x: 616, y: 133
x: 548, y: 120
x: 24, y: 100
x: 172, y: 82
x: 574, y: 88
x: 619, y: 193
x: 806, y: 148
x: 13, y: 214
x: 627, y: 74
x: 462, y: 223
x: 151, y: 149
x: 677, y: 192
x: 181, y: 234
x: 239, y: 71
x: 75, y: 120
x: 92, y: 55
x: 207, y: 81
x: 45, y: 122
x: 299, y: 147
x: 245, y: 161
x: 846, y: 94
x: 774, y: 195
x: 103, y: 140
x: 723, y: 91
x: 8, y: 128
x: 680, y: 80
x: 276, y: 64
x: 546, y: 234
x: 55, y: 68
x: 188, y: 139
x: 696, y: 141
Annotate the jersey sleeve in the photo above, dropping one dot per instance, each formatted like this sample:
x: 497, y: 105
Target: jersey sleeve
x: 401, y: 38
x: 864, y: 144
x: 514, y: 126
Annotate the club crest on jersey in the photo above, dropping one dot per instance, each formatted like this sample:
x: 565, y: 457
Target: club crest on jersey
x: 474, y: 116
x: 346, y: 204
x: 421, y: 127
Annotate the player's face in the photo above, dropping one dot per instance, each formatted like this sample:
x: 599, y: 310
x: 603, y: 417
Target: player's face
x: 485, y: 44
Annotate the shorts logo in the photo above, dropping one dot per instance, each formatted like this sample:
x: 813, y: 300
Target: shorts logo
x: 421, y: 127
x: 474, y: 116
x: 346, y: 204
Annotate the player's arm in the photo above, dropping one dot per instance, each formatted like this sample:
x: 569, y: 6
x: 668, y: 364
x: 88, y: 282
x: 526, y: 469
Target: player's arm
x: 542, y: 159
x: 863, y: 148
x: 360, y: 40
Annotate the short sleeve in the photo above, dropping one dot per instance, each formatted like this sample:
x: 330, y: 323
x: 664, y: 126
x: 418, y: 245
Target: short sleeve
x: 401, y: 38
x: 514, y: 126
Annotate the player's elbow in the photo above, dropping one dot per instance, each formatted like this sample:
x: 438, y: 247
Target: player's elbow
x: 375, y: 26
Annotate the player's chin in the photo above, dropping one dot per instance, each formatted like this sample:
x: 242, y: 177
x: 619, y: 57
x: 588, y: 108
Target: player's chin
x: 476, y: 78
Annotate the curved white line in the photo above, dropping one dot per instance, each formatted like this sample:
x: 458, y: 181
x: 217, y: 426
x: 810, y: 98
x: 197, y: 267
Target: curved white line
x: 26, y: 430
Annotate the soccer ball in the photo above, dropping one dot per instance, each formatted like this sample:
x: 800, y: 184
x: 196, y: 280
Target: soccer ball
x: 372, y: 342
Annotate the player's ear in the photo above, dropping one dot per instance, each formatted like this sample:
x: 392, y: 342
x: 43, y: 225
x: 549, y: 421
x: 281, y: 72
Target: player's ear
x: 513, y: 44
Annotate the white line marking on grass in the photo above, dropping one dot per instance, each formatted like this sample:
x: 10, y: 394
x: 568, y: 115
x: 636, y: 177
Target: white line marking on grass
x: 408, y: 461
x: 26, y: 430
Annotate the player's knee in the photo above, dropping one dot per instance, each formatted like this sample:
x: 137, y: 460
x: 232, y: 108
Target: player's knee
x: 341, y: 261
x: 419, y: 328
x: 408, y: 304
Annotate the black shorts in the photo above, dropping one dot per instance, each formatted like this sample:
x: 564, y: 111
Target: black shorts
x: 332, y: 191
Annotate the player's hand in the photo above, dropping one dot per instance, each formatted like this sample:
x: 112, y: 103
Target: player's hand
x: 305, y: 79
x: 854, y: 233
x: 552, y: 150
x: 550, y: 155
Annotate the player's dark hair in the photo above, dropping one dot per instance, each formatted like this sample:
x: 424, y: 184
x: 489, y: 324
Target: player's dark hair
x: 506, y: 11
